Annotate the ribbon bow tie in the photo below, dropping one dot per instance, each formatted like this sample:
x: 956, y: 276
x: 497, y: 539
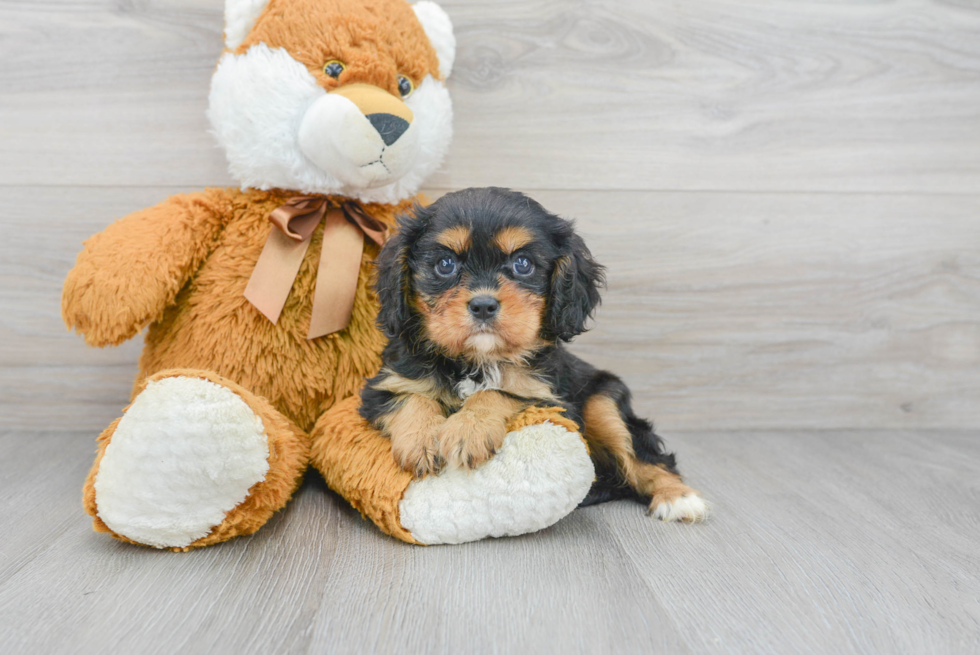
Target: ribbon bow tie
x: 340, y: 259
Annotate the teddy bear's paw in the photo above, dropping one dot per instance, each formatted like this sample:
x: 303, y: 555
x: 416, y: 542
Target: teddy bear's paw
x: 540, y: 474
x: 183, y: 456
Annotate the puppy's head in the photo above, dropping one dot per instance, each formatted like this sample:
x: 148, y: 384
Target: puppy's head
x: 486, y: 275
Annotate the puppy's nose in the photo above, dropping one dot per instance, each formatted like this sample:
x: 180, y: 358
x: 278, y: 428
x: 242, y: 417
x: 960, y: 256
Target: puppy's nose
x: 389, y: 126
x: 484, y: 307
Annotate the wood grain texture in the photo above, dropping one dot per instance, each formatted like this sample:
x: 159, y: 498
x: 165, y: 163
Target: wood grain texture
x: 727, y: 311
x: 787, y: 196
x: 820, y: 542
x: 549, y: 94
x: 778, y: 311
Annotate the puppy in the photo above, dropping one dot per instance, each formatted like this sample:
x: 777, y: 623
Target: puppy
x: 478, y: 293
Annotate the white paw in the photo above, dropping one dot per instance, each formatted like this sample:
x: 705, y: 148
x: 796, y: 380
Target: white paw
x: 184, y: 455
x: 690, y: 508
x: 541, y: 473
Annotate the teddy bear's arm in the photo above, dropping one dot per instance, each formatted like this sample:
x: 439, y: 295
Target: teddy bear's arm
x: 127, y: 275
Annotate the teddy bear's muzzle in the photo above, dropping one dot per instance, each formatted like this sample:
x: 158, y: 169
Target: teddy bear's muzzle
x: 360, y: 134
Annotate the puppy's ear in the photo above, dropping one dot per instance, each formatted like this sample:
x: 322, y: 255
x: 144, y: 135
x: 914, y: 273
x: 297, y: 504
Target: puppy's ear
x: 394, y: 282
x: 575, y: 283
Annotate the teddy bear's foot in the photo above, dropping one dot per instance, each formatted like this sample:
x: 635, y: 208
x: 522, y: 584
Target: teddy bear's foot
x: 194, y: 460
x: 540, y: 474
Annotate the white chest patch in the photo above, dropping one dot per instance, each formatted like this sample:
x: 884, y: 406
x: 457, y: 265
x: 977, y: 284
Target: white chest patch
x: 486, y: 378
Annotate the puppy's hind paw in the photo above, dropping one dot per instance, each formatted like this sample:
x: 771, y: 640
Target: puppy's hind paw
x: 690, y: 508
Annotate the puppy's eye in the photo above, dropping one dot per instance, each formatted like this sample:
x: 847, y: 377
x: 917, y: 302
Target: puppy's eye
x: 522, y: 266
x: 405, y: 86
x: 446, y: 267
x: 334, y: 68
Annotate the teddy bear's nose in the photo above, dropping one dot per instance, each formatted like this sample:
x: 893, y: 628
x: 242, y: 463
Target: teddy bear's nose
x: 389, y: 126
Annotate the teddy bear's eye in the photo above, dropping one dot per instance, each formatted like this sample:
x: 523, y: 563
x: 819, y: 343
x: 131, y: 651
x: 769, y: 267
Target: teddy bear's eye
x: 333, y: 68
x: 405, y: 86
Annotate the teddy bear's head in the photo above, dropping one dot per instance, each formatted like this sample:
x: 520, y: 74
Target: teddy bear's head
x: 340, y: 97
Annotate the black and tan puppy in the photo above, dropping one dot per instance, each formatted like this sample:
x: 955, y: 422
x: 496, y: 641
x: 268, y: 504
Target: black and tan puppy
x: 478, y: 293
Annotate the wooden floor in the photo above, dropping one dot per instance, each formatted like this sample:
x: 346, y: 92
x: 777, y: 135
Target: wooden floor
x: 787, y: 197
x: 838, y: 542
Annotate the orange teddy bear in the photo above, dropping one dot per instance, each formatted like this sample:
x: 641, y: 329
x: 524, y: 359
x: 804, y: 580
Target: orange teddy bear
x: 259, y: 306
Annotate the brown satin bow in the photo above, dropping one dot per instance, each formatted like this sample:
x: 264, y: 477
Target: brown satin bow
x: 340, y: 259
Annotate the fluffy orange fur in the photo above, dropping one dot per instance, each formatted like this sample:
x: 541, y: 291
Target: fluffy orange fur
x: 182, y: 267
x: 356, y: 460
x: 376, y: 40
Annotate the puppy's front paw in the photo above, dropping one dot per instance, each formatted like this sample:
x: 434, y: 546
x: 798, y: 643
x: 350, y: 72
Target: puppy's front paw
x: 466, y: 441
x: 418, y: 452
x: 689, y: 507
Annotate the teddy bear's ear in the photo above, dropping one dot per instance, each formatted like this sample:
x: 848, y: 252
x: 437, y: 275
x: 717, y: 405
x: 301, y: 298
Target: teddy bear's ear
x: 439, y: 29
x: 240, y: 17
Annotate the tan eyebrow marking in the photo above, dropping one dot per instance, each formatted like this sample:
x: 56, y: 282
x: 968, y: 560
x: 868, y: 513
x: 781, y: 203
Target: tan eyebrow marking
x: 455, y: 238
x: 513, y: 237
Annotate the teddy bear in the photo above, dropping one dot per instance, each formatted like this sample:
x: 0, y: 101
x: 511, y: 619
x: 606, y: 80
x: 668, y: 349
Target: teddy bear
x: 257, y: 304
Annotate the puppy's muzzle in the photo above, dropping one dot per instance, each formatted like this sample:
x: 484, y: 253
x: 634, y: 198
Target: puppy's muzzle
x: 484, y: 308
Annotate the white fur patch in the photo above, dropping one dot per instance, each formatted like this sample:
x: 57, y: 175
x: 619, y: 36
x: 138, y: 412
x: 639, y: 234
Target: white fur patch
x: 491, y: 381
x: 339, y: 139
x: 240, y: 17
x: 184, y: 455
x: 259, y: 101
x: 439, y: 29
x: 690, y: 508
x: 541, y: 473
x: 483, y: 342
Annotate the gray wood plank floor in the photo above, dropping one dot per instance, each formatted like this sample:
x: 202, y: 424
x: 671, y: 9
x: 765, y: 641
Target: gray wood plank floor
x: 821, y: 542
x: 787, y: 196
